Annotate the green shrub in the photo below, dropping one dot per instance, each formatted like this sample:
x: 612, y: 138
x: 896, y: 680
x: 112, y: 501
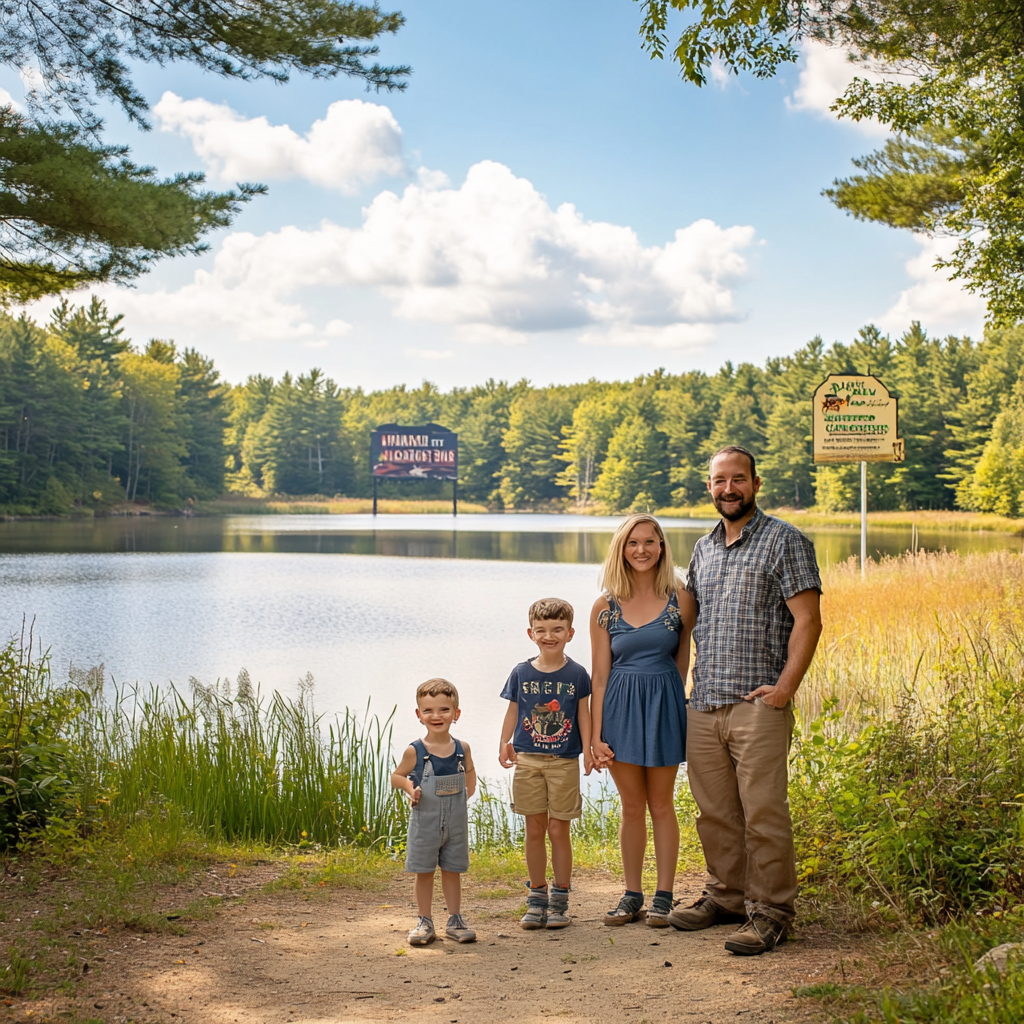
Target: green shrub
x: 35, y: 756
x: 919, y: 815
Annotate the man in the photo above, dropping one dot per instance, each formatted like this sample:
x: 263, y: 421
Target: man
x: 755, y: 580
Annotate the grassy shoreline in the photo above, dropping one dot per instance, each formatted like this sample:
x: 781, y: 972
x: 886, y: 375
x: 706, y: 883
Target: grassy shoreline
x: 924, y: 521
x: 236, y: 505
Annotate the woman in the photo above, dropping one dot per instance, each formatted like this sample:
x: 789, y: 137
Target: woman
x: 640, y: 633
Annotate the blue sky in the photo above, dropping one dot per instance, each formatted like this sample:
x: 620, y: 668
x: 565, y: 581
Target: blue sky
x: 543, y: 201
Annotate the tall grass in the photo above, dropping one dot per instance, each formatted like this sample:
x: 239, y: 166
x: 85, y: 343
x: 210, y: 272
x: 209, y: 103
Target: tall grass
x: 937, y: 521
x: 916, y: 626
x: 907, y: 777
x: 248, y: 768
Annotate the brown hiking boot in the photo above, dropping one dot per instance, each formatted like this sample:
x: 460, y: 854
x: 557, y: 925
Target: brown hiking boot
x: 761, y: 934
x: 702, y: 914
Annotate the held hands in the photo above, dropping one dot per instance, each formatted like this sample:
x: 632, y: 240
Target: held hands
x: 603, y: 754
x: 773, y: 696
x: 588, y: 763
x: 506, y: 755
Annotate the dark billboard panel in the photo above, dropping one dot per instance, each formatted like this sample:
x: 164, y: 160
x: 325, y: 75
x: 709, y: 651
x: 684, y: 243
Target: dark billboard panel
x: 428, y: 452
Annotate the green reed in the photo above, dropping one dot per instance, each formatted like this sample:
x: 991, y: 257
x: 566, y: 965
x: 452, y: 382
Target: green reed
x: 494, y: 826
x: 245, y: 768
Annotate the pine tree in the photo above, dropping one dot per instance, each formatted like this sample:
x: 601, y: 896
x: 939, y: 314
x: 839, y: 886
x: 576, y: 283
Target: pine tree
x: 203, y: 405
x: 634, y: 475
x: 1000, y: 358
x: 585, y: 444
x: 786, y: 467
x: 530, y: 470
x: 481, y: 428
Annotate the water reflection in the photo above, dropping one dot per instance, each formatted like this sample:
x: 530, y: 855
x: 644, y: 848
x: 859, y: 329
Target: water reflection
x: 515, y: 538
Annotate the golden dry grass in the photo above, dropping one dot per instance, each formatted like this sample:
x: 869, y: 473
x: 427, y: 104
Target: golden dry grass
x: 808, y: 519
x: 917, y: 623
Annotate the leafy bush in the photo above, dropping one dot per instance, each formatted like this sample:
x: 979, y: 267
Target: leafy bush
x: 35, y: 755
x: 920, y: 813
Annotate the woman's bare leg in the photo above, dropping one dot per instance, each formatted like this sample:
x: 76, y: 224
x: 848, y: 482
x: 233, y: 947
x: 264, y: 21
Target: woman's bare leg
x: 631, y: 782
x: 661, y: 788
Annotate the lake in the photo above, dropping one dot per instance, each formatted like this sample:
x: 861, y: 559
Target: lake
x: 370, y: 607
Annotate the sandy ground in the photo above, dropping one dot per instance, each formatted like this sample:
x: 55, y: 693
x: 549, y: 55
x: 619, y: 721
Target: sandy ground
x: 340, y: 956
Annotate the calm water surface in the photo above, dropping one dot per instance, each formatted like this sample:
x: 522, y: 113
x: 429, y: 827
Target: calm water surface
x: 158, y: 599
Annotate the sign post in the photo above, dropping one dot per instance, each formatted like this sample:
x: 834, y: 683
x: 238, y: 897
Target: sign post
x: 855, y: 419
x: 428, y: 452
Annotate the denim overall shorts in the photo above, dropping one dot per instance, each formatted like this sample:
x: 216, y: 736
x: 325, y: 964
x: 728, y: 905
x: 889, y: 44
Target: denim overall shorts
x: 439, y: 823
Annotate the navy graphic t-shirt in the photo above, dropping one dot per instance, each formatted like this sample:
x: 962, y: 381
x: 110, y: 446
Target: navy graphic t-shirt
x: 547, y: 708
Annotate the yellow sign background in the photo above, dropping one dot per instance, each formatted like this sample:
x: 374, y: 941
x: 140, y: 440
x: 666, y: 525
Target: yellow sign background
x: 855, y: 420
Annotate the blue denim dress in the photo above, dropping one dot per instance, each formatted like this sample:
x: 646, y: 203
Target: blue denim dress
x: 439, y: 823
x: 644, y: 715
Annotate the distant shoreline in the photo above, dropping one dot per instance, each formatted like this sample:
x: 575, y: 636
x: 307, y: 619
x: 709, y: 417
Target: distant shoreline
x: 237, y: 505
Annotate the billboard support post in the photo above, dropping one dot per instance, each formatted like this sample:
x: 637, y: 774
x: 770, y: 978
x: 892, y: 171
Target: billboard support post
x: 455, y: 497
x: 374, y: 495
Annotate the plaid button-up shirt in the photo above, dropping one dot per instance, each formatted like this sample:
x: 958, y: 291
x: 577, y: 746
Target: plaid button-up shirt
x: 743, y: 624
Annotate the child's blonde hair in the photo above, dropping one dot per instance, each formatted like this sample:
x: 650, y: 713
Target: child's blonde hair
x: 551, y: 608
x: 617, y: 576
x: 437, y: 688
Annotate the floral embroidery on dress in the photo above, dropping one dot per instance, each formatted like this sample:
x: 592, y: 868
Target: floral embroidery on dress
x: 609, y: 617
x: 673, y: 621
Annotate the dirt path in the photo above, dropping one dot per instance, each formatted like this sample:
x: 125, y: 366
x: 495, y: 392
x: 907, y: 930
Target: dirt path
x: 340, y: 956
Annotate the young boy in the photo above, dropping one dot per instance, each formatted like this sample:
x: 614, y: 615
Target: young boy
x: 546, y: 728
x: 438, y: 774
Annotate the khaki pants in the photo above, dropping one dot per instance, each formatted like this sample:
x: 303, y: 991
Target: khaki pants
x: 737, y: 765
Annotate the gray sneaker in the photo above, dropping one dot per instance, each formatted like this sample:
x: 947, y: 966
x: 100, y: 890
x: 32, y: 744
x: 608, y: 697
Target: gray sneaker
x: 458, y: 930
x: 558, y: 908
x: 536, y: 915
x: 630, y: 908
x: 423, y: 934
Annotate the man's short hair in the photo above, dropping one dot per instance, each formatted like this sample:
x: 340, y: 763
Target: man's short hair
x: 735, y: 449
x: 551, y: 608
x: 437, y: 688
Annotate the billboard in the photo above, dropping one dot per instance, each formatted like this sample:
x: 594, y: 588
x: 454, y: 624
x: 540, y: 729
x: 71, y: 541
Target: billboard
x: 855, y: 420
x: 428, y: 452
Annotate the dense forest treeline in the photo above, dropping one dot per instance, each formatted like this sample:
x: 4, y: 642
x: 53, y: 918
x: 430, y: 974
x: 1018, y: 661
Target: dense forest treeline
x: 88, y: 420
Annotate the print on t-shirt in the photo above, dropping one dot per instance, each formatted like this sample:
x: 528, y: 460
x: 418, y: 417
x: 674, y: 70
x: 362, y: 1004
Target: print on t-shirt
x: 548, y: 723
x: 547, y: 702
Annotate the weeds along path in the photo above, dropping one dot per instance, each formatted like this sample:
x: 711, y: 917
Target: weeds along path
x: 340, y: 956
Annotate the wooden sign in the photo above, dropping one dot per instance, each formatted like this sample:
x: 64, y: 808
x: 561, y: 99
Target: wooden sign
x: 855, y: 420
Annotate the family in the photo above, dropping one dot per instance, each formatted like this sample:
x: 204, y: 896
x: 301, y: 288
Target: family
x: 750, y: 600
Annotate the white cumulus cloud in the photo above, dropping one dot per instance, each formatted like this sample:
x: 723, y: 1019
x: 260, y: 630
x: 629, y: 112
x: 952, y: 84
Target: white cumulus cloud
x: 353, y: 144
x: 825, y: 72
x: 490, y: 258
x: 940, y: 304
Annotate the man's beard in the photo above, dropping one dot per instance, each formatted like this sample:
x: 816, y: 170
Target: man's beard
x: 745, y: 508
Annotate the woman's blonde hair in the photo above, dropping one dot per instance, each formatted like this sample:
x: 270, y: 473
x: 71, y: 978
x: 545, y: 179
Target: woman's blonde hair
x: 617, y: 576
